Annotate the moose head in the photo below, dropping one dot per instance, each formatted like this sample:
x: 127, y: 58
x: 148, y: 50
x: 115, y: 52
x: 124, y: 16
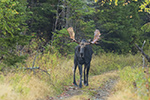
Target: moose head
x: 83, y: 55
x: 95, y: 39
x: 83, y: 42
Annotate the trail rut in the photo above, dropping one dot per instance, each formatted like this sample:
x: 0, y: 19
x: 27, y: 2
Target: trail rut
x: 99, y: 88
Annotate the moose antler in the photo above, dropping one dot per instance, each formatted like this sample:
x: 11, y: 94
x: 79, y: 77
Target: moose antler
x: 96, y: 36
x: 72, y: 34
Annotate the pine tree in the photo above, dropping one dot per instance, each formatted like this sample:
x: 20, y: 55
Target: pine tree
x: 77, y: 15
x: 12, y: 30
x: 121, y: 25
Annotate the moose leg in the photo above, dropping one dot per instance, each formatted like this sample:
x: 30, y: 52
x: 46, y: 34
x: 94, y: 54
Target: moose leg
x: 88, y: 68
x: 85, y: 79
x: 74, y: 80
x: 80, y: 71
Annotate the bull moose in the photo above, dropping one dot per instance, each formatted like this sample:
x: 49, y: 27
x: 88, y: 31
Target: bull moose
x: 83, y: 55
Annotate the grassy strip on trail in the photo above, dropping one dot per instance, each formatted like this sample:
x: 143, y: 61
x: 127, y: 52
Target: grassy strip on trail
x: 96, y: 89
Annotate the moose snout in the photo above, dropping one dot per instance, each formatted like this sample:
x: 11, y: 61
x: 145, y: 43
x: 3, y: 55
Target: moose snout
x: 82, y: 55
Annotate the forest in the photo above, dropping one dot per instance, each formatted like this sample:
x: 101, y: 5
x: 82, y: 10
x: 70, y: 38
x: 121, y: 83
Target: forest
x: 37, y: 54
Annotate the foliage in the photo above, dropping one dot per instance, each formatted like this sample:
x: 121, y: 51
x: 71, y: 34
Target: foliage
x: 59, y: 69
x: 137, y: 80
x: 121, y: 30
x: 12, y: 33
x: 145, y: 6
x: 42, y: 20
x: 105, y: 62
x: 120, y: 25
x: 79, y: 17
x: 146, y: 27
x: 18, y: 86
x: 62, y: 43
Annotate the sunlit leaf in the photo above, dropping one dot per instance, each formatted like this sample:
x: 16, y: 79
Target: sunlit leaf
x: 96, y: 1
x: 4, y: 33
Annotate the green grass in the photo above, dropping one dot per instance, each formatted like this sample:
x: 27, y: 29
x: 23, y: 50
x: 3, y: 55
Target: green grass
x: 110, y: 61
x: 137, y: 76
x: 133, y: 84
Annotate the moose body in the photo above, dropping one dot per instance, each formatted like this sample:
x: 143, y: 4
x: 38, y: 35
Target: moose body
x: 83, y: 55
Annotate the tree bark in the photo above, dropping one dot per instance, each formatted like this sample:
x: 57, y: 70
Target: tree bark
x: 143, y: 53
x: 67, y: 16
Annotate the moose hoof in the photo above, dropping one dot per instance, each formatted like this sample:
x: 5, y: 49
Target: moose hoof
x: 75, y: 84
x: 80, y: 86
x: 86, y: 84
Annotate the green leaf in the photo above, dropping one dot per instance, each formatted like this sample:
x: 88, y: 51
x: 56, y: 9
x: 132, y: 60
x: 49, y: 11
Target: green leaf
x: 146, y: 27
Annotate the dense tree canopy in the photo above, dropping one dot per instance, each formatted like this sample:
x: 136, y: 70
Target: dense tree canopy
x: 121, y: 22
x: 12, y: 30
x: 121, y: 26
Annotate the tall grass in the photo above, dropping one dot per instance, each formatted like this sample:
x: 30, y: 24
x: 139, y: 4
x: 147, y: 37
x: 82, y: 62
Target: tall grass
x: 58, y: 67
x: 38, y: 84
x: 134, y: 84
x: 18, y: 86
x: 110, y: 61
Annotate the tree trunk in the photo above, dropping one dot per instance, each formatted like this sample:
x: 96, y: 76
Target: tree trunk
x: 143, y: 53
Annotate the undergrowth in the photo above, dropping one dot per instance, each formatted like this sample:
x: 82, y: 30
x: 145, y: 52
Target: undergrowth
x: 52, y: 72
x: 21, y: 86
x: 110, y: 61
x: 134, y: 84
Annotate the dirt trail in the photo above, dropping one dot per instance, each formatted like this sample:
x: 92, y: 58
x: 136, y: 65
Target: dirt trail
x: 99, y: 88
x: 104, y: 92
